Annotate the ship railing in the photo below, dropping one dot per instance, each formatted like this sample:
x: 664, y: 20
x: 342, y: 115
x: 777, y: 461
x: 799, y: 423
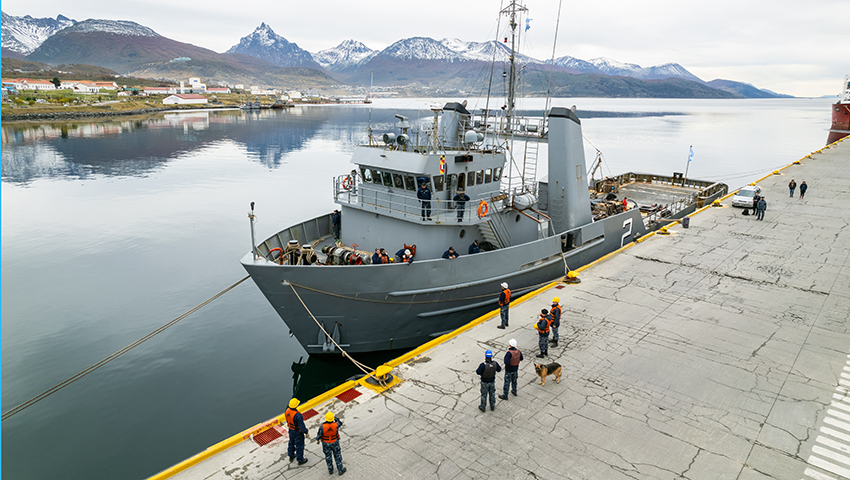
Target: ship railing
x: 693, y: 200
x: 407, y: 206
x: 633, y: 177
x: 499, y: 124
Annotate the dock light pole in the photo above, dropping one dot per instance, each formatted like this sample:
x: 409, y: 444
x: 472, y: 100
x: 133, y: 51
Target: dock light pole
x: 253, y: 243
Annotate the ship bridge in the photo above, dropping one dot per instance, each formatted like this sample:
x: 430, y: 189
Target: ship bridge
x: 387, y: 177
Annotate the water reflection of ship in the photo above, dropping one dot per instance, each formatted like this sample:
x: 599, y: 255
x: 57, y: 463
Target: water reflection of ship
x: 840, y: 127
x: 320, y: 373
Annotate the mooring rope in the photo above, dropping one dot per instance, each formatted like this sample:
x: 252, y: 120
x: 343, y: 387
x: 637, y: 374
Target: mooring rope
x: 65, y: 383
x: 367, y: 370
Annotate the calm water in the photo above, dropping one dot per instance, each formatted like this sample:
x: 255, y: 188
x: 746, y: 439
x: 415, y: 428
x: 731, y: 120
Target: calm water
x: 110, y: 229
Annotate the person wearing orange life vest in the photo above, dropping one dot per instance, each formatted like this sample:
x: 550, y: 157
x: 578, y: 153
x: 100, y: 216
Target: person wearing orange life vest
x: 328, y: 436
x: 512, y: 359
x: 297, y: 431
x: 504, y: 302
x: 542, y: 326
x: 555, y: 312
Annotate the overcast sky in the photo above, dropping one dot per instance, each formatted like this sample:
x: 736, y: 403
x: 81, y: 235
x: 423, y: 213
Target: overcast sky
x: 796, y: 47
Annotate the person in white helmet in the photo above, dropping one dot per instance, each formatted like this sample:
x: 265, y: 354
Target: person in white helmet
x: 504, y: 302
x: 512, y: 359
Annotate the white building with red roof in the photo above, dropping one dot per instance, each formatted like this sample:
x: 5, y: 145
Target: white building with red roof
x: 184, y: 99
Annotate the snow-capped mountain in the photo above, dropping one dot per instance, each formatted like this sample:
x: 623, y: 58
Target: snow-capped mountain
x: 344, y: 56
x: 118, y: 27
x: 577, y: 64
x: 265, y: 44
x: 484, y: 51
x: 668, y: 70
x: 421, y: 48
x: 25, y: 34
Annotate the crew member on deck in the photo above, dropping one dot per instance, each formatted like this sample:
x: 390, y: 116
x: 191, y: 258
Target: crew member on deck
x: 461, y: 198
x: 424, y: 196
x: 474, y: 247
x: 450, y: 254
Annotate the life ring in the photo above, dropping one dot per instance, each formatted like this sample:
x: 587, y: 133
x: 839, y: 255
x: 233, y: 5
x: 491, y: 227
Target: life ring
x: 346, y: 183
x: 280, y: 257
x: 483, y: 208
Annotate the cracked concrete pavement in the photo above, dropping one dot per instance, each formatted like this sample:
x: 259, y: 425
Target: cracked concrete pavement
x: 714, y: 352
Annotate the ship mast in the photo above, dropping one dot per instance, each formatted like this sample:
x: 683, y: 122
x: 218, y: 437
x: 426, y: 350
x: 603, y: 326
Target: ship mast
x: 512, y: 11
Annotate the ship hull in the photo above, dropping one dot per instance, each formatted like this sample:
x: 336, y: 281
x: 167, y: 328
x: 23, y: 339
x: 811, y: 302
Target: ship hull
x: 397, y: 306
x: 840, y: 127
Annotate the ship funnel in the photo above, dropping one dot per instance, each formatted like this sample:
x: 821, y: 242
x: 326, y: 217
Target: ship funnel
x: 454, y: 120
x: 569, y: 202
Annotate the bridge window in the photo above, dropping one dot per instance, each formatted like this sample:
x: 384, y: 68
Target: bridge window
x: 376, y: 177
x: 388, y: 179
x: 438, y: 182
x: 366, y: 174
x: 398, y: 181
x: 488, y: 175
x: 479, y: 177
x: 461, y: 179
x: 409, y: 183
x: 470, y: 179
x: 497, y: 174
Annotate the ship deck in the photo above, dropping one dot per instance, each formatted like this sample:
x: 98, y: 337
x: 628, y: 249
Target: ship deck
x: 708, y: 353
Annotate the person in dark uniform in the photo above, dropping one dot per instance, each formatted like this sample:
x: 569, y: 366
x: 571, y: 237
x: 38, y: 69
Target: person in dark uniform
x: 791, y: 186
x: 376, y: 258
x: 474, y: 247
x: 424, y: 196
x: 756, y: 199
x: 487, y: 371
x: 336, y: 222
x: 461, y: 198
x: 542, y: 326
x: 555, y: 312
x: 450, y: 254
x: 504, y: 303
x: 803, y: 188
x: 328, y: 436
x: 297, y: 430
x: 512, y: 359
x: 760, y: 208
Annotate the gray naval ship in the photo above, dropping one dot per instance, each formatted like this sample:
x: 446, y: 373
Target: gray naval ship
x: 530, y: 233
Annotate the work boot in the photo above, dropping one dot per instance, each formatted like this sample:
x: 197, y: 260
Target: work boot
x: 291, y: 459
x: 342, y: 470
x: 540, y: 355
x: 501, y: 326
x: 302, y: 462
x: 503, y: 397
x: 554, y: 343
x: 514, y: 393
x: 492, y: 407
x: 331, y: 471
x: 482, y: 408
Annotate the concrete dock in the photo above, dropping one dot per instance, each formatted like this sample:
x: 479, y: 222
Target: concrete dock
x: 718, y: 351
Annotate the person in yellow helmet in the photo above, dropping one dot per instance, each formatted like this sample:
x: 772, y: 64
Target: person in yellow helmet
x: 328, y: 435
x: 297, y: 431
x: 555, y: 312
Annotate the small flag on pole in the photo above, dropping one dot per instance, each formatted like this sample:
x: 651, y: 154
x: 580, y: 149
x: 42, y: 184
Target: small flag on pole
x: 691, y: 156
x: 528, y: 23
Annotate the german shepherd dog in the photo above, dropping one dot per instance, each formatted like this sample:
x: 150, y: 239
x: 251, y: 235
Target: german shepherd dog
x: 543, y: 371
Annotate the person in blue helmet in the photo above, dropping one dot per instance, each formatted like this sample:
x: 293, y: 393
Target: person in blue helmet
x: 487, y: 371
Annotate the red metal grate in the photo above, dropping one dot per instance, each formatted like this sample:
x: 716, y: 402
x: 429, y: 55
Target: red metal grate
x: 309, y: 414
x: 348, y: 395
x: 266, y: 436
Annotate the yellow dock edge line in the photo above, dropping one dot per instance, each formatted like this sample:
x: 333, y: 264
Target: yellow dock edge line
x: 320, y: 399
